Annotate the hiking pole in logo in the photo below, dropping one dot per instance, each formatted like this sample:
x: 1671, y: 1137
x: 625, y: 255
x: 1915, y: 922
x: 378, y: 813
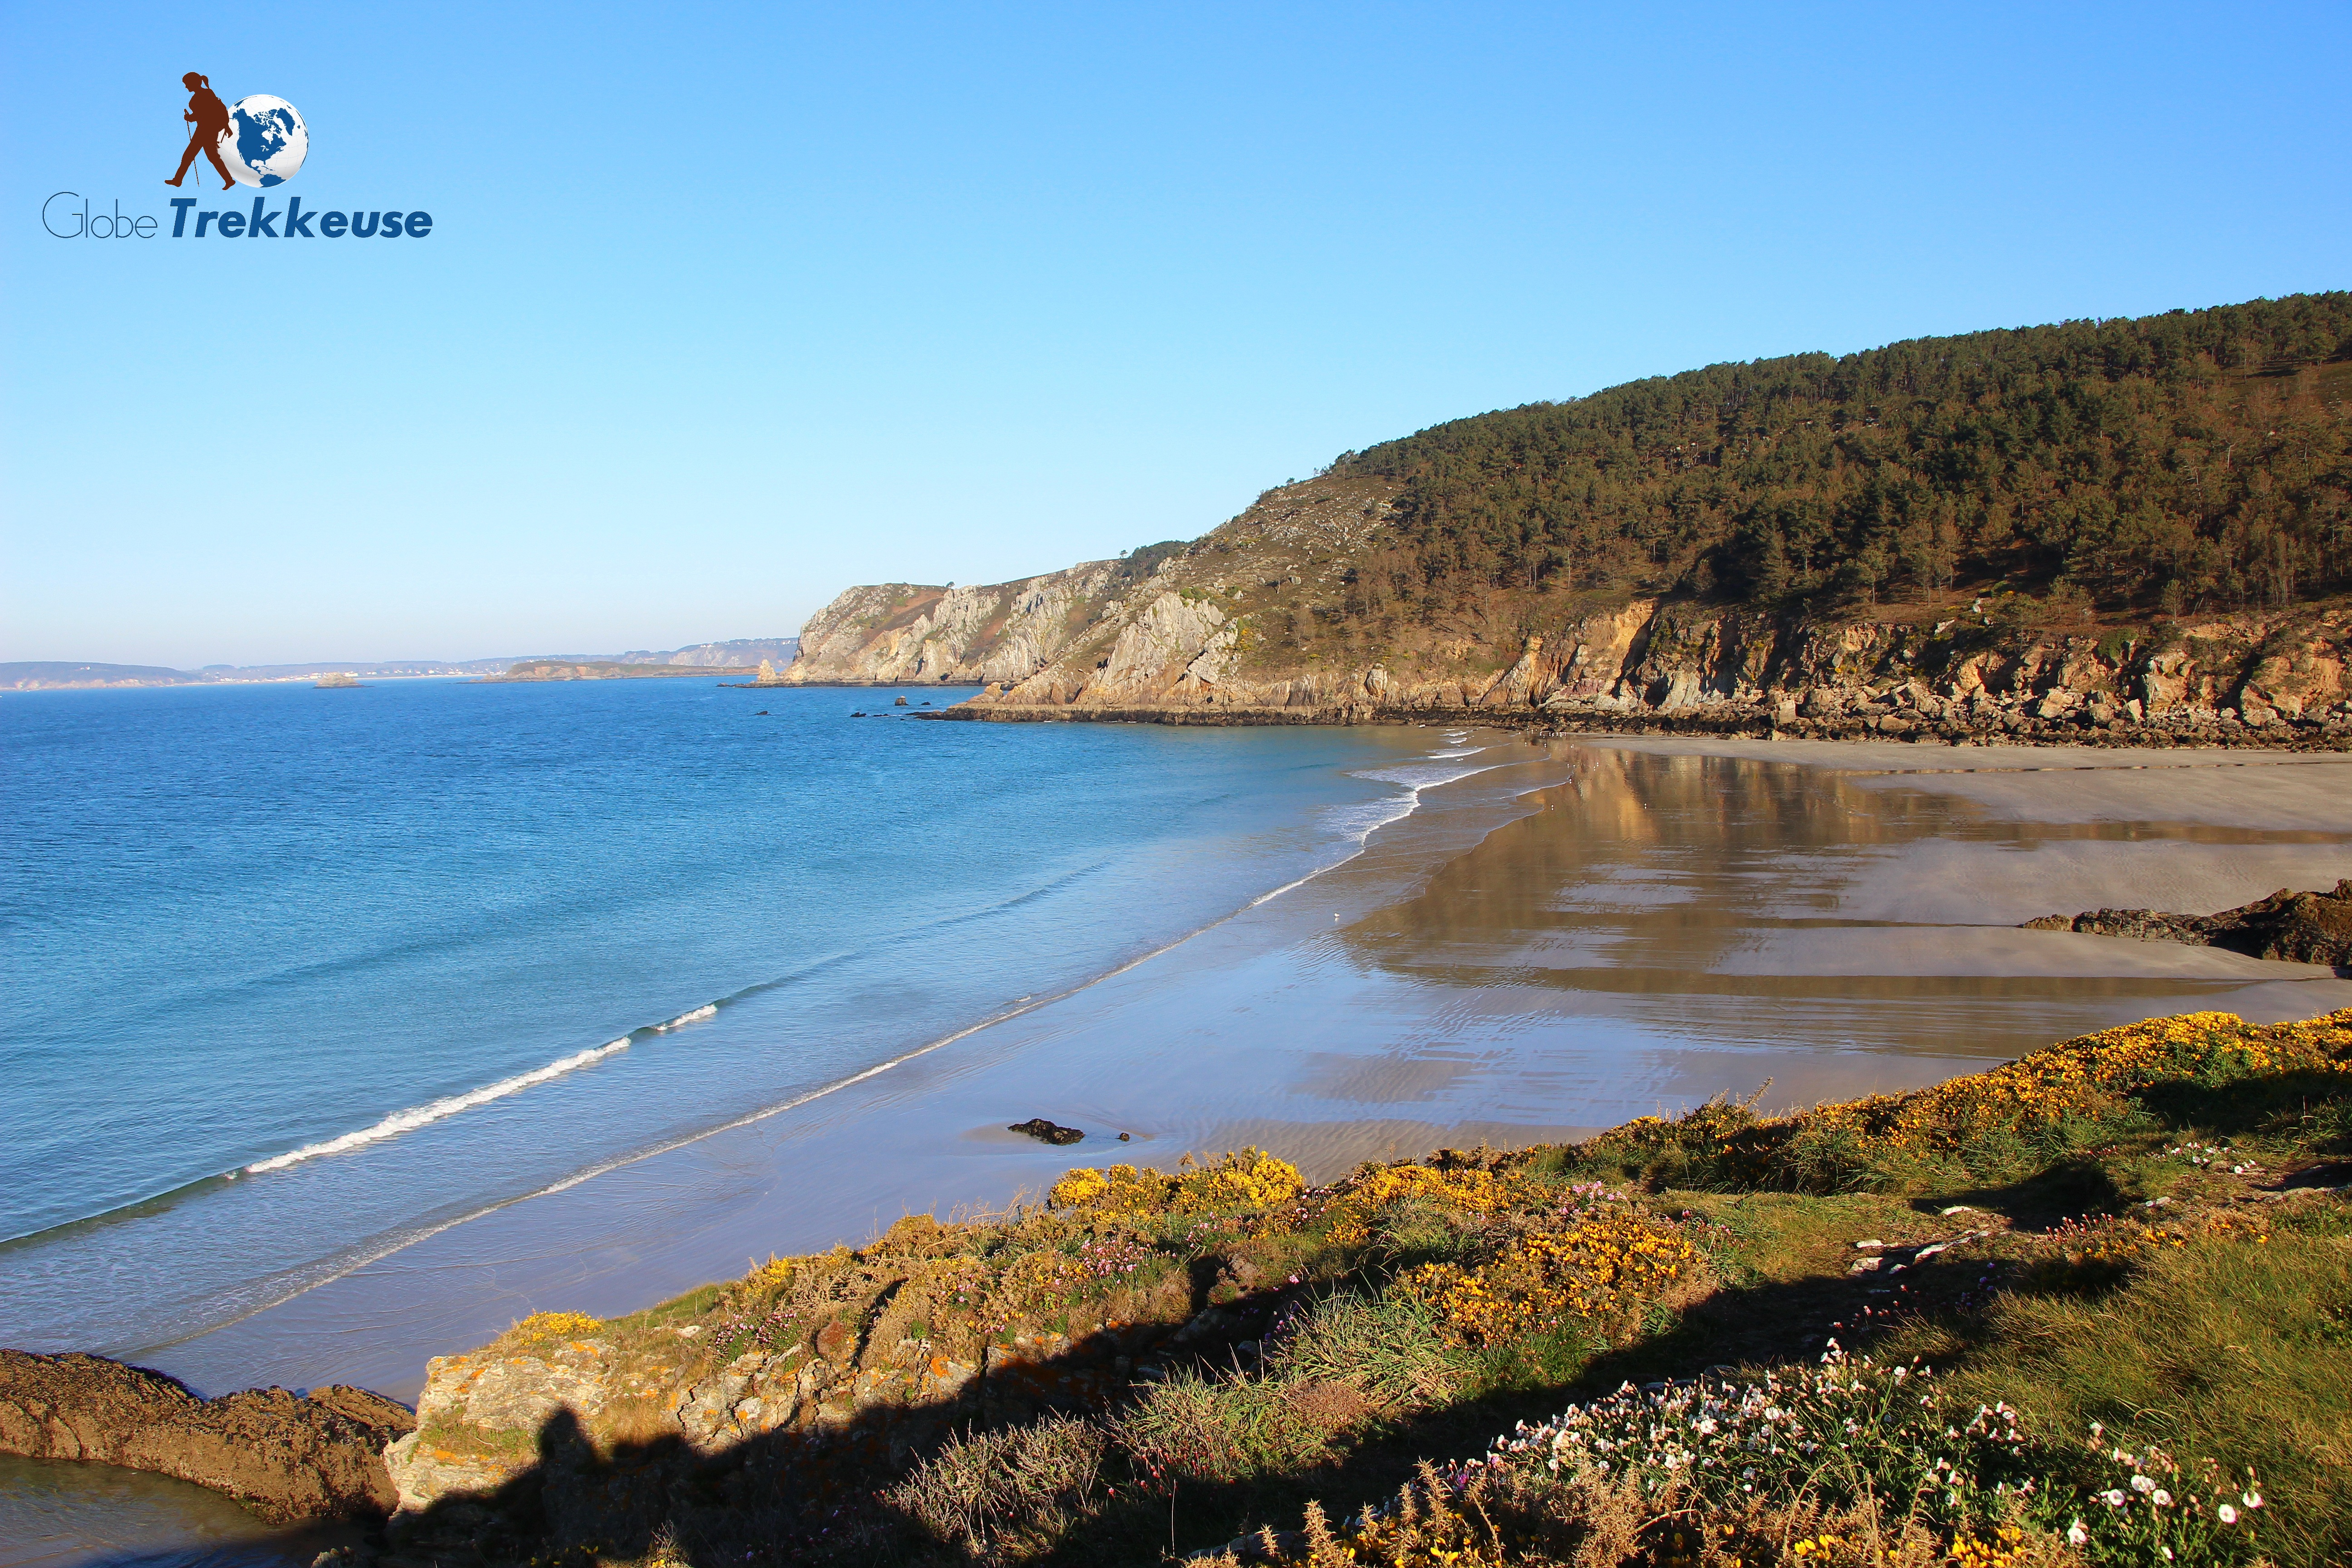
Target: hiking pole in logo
x: 209, y: 115
x: 257, y: 141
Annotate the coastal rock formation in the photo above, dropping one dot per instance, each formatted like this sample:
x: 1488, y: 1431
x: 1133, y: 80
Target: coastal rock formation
x: 2300, y: 927
x: 854, y: 1362
x: 1231, y: 628
x: 287, y: 1457
x: 594, y: 1439
x: 906, y: 632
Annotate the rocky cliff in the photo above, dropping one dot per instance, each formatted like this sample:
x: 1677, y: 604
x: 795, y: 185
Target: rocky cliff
x: 1254, y: 623
x: 906, y: 633
x: 287, y: 1457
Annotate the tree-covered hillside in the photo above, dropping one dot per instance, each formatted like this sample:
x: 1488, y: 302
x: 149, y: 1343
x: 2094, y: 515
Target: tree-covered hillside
x: 2195, y: 461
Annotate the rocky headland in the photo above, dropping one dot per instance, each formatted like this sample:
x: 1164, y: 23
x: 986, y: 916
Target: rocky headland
x: 2113, y: 531
x: 287, y: 1457
x: 1188, y: 644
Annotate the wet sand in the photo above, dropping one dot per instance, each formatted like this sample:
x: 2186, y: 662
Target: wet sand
x: 1584, y: 931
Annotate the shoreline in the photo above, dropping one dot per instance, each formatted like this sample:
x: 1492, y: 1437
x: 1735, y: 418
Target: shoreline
x: 1724, y: 721
x: 1395, y: 1027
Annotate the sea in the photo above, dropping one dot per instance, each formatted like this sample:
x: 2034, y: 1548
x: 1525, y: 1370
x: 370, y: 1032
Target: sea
x: 295, y: 977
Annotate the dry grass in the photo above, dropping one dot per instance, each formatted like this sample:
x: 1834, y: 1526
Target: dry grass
x: 991, y: 1494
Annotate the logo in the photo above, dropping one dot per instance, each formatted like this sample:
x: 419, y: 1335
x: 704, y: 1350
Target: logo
x: 257, y: 141
x: 260, y: 140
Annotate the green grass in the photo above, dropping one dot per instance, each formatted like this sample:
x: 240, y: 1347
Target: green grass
x: 2230, y: 1351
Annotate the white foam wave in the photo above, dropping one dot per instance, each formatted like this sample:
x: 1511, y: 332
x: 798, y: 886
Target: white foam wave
x: 1418, y: 776
x: 700, y: 1014
x: 424, y: 1115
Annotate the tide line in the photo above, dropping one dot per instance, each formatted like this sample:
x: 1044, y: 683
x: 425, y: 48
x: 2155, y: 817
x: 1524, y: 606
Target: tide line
x: 424, y: 1115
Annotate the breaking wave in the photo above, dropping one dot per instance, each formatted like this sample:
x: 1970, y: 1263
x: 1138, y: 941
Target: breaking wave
x: 424, y: 1115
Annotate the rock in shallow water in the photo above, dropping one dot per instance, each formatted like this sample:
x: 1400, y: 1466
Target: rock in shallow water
x: 1046, y: 1131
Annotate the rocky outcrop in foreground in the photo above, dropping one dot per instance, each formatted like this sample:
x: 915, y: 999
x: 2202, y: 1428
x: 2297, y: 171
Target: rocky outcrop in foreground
x: 851, y: 1395
x: 2300, y: 927
x: 285, y: 1457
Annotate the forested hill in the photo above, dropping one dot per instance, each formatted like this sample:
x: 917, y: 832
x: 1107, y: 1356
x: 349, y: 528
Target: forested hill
x: 2196, y: 460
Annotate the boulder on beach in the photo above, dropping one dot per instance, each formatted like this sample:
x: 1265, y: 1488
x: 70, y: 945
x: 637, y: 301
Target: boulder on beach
x: 2300, y: 927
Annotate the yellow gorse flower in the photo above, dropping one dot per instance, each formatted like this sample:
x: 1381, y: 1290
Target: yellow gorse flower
x: 1470, y: 1190
x: 1248, y: 1178
x: 2089, y: 1076
x: 1602, y: 1267
x: 557, y: 1325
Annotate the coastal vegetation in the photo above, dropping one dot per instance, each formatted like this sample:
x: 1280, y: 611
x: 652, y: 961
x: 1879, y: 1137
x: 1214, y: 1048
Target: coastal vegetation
x: 2093, y: 1306
x: 2192, y: 462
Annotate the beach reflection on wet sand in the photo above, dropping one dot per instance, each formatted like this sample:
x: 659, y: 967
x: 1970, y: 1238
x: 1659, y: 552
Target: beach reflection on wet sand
x: 1712, y: 895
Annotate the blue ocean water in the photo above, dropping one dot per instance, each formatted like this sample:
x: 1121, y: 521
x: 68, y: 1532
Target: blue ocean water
x: 294, y: 976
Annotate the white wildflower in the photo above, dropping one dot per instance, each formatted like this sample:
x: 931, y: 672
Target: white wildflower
x: 2229, y: 1515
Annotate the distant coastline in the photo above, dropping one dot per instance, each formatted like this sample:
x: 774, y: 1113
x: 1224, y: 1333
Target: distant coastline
x: 738, y: 654
x: 781, y: 684
x: 598, y: 670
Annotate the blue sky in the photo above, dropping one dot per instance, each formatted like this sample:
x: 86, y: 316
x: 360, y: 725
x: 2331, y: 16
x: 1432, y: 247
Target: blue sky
x: 725, y: 308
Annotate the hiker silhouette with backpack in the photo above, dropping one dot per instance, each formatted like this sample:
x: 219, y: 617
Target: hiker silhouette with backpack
x: 210, y: 116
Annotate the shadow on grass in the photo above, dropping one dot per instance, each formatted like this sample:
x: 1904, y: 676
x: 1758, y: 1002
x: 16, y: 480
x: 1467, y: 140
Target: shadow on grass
x: 815, y: 1497
x: 2079, y: 1188
x: 2257, y: 1105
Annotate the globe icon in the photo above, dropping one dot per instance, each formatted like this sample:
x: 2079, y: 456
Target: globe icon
x: 265, y: 141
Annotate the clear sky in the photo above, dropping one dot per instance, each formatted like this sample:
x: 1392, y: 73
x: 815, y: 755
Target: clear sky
x: 725, y: 308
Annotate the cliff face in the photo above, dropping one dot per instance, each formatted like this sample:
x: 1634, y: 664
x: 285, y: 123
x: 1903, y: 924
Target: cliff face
x: 905, y: 633
x: 1254, y: 623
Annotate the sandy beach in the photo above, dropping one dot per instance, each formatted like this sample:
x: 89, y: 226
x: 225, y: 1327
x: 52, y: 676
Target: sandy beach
x: 1578, y: 934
